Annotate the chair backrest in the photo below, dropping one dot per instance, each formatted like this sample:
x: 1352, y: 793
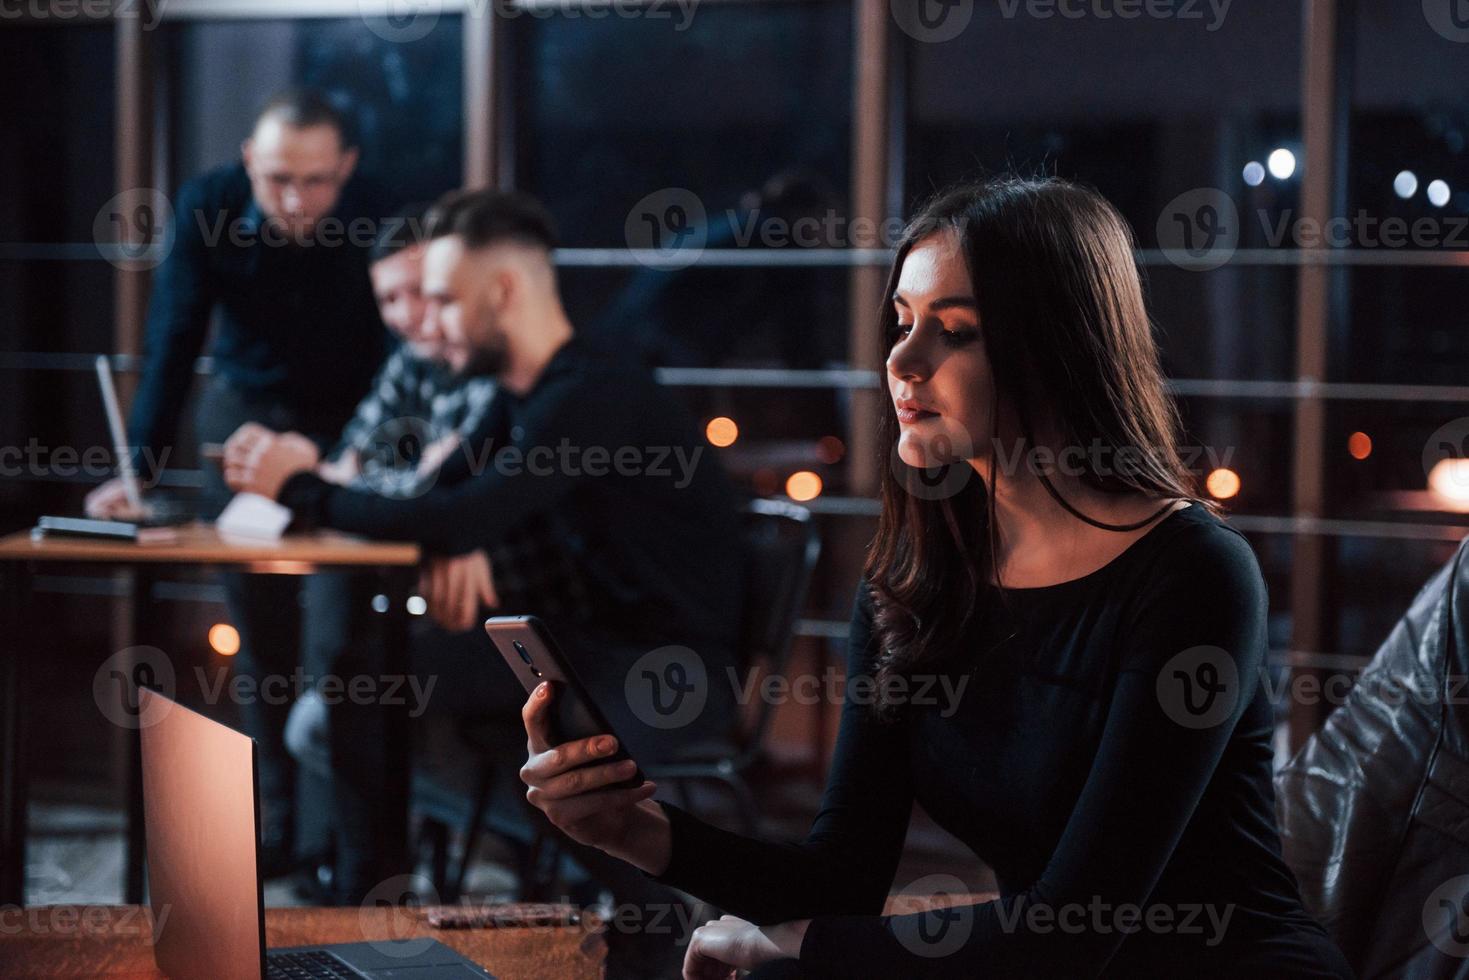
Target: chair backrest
x: 1374, y: 808
x: 781, y: 549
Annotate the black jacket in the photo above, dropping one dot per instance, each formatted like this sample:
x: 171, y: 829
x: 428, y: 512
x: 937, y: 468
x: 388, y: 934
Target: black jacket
x: 1374, y: 808
x: 295, y: 323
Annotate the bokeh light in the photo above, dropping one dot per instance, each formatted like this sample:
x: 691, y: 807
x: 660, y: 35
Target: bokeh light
x: 1449, y: 481
x: 830, y: 449
x: 803, y: 485
x: 1282, y: 163
x: 1222, y: 483
x: 224, y: 639
x: 722, y: 431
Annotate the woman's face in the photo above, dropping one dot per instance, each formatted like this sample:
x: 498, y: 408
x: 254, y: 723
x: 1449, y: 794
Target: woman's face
x: 938, y: 372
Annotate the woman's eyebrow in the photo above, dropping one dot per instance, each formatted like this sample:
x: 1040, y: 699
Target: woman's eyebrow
x: 943, y: 303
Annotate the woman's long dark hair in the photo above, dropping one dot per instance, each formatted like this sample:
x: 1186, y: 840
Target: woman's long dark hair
x: 1067, y: 333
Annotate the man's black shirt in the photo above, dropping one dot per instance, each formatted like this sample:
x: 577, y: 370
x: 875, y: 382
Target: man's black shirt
x: 297, y: 323
x: 604, y: 452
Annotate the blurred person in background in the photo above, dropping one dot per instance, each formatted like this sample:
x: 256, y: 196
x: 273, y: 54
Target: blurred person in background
x: 583, y: 441
x: 418, y: 415
x: 275, y: 249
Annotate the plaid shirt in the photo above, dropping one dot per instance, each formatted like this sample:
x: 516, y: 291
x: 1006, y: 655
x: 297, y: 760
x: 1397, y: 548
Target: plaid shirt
x: 414, y: 403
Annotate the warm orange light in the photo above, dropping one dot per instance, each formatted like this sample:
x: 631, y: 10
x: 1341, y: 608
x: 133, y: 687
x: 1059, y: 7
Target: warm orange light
x: 1449, y: 481
x: 830, y: 449
x: 722, y: 431
x: 225, y: 639
x: 803, y: 485
x: 1359, y: 444
x: 1222, y: 483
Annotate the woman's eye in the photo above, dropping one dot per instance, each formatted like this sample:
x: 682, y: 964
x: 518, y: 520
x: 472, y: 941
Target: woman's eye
x: 958, y: 338
x: 901, y: 329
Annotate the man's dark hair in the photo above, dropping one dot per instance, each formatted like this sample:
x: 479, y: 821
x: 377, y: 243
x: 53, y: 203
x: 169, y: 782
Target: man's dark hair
x: 488, y: 217
x: 405, y: 229
x: 303, y: 107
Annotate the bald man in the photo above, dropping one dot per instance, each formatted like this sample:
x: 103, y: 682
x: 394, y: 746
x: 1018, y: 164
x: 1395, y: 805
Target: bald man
x: 275, y: 248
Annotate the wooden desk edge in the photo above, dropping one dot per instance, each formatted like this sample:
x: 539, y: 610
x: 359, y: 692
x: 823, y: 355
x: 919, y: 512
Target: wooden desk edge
x: 200, y: 544
x: 115, y: 940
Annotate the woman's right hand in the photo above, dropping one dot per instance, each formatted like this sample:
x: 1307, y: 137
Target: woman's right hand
x: 576, y: 792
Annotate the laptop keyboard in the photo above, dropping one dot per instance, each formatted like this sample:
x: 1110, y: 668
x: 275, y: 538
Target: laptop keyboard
x: 309, y: 965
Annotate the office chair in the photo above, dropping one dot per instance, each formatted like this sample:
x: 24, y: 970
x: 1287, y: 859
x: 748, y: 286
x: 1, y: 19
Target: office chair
x: 781, y: 548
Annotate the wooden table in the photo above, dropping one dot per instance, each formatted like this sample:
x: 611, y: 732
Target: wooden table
x: 201, y: 544
x: 113, y: 941
x: 197, y: 545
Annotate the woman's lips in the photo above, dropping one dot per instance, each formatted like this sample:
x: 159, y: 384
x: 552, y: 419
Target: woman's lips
x: 909, y: 415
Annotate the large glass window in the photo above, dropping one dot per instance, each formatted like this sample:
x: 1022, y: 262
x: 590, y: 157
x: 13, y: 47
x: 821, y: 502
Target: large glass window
x: 401, y: 93
x: 700, y: 166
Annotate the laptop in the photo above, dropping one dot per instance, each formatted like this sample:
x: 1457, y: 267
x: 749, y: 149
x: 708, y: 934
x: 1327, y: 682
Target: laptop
x: 202, y: 817
x: 150, y: 516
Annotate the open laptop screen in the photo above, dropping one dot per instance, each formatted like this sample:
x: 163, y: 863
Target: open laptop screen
x: 203, y: 878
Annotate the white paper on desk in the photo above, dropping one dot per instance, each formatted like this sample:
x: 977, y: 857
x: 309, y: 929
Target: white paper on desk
x: 250, y: 515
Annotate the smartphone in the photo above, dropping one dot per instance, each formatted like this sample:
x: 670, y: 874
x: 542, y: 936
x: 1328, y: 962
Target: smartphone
x: 526, y: 646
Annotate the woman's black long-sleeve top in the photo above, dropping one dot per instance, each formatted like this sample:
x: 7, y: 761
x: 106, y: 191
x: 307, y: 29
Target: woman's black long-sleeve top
x: 1108, y: 755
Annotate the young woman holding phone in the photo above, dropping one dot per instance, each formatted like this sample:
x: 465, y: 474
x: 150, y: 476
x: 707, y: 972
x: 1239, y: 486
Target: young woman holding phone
x: 1110, y: 754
